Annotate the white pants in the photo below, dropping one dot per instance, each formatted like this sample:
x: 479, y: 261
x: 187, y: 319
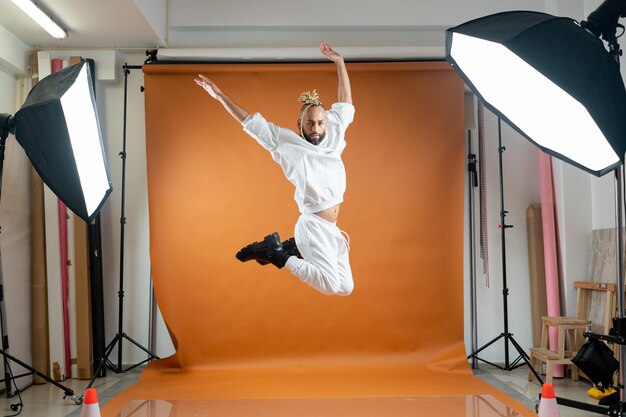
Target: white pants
x: 325, y: 265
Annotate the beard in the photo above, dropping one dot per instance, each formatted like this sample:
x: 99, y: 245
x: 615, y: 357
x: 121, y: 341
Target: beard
x: 314, y: 141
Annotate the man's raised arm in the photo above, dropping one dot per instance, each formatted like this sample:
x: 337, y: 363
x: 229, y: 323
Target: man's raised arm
x: 233, y: 108
x: 344, y: 93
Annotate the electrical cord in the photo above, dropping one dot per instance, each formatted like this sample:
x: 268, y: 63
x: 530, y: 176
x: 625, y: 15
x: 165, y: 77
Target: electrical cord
x: 15, y: 406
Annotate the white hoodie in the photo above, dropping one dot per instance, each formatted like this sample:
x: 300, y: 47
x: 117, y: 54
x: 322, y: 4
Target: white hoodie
x: 316, y: 171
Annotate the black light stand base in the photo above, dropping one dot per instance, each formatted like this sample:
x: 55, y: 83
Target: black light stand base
x: 118, y: 369
x: 615, y: 410
x: 508, y: 337
x: 67, y: 391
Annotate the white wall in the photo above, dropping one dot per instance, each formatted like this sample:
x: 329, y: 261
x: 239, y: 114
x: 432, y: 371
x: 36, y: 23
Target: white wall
x: 603, y: 191
x: 573, y: 198
x: 603, y: 202
x: 15, y: 239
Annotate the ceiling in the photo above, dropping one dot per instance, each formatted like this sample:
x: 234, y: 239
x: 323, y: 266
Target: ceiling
x: 90, y: 23
x: 148, y: 24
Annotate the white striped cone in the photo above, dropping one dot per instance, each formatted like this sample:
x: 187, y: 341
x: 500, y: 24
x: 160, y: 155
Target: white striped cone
x: 90, y: 404
x: 547, y: 405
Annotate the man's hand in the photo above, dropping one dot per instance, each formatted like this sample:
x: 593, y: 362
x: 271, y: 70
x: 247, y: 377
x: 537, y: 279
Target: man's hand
x: 208, y: 85
x: 233, y: 108
x: 330, y: 53
x: 344, y: 93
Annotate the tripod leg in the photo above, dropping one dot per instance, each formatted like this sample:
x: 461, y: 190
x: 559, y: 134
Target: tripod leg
x: 494, y: 340
x: 107, y: 352
x: 152, y: 355
x: 68, y: 392
x: 526, y: 359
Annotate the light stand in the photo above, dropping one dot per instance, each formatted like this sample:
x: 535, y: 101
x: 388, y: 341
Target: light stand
x: 621, y: 318
x: 58, y: 128
x: 472, y: 182
x: 120, y: 336
x: 505, y: 335
x: 553, y: 81
x: 603, y: 23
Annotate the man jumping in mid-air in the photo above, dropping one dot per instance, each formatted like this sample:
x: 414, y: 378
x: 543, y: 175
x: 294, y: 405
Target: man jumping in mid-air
x: 311, y: 161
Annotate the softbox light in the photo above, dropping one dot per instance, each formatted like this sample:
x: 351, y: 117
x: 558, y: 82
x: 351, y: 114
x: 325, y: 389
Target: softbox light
x: 58, y: 128
x: 550, y: 79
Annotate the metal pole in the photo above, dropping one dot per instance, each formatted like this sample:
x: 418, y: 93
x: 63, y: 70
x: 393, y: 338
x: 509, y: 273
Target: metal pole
x: 503, y: 227
x: 620, y: 274
x: 3, y: 322
x: 122, y: 223
x: 472, y: 182
x: 615, y: 52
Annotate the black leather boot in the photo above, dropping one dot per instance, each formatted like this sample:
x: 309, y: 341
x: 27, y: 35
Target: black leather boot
x: 261, y: 251
x: 279, y: 259
x: 289, y: 248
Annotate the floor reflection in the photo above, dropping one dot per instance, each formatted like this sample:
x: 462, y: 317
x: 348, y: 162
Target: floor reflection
x: 441, y: 406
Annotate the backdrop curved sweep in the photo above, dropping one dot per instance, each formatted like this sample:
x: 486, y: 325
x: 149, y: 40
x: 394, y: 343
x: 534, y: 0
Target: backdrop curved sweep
x: 246, y: 331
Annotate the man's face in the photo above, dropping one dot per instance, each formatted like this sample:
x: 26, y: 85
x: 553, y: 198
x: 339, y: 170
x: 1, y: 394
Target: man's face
x: 313, y: 125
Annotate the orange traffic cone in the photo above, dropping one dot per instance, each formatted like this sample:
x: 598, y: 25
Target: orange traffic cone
x: 547, y: 405
x: 90, y: 404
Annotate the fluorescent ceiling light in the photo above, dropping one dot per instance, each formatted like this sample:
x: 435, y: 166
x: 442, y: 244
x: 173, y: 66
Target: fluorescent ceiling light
x: 32, y: 9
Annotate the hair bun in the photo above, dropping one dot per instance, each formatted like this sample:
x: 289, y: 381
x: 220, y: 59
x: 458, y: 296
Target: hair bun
x: 310, y: 98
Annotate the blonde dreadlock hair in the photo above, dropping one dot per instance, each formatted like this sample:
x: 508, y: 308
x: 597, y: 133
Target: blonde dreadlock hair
x: 310, y: 98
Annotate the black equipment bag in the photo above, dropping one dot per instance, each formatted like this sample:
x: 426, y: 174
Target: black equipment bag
x: 597, y: 361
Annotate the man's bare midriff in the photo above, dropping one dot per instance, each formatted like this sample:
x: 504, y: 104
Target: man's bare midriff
x: 330, y: 214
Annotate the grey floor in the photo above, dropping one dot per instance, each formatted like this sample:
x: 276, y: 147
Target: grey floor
x: 516, y: 385
x: 47, y: 400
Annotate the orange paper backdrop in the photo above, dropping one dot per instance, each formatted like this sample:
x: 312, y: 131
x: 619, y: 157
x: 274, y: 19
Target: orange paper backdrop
x: 213, y: 189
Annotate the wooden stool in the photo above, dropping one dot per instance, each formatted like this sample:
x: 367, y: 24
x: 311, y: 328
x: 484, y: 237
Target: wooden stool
x: 561, y: 356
